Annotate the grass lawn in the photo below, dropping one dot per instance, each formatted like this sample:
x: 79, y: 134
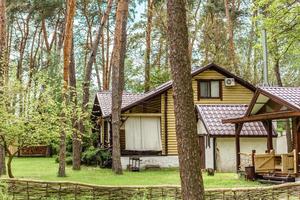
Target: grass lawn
x: 46, y: 169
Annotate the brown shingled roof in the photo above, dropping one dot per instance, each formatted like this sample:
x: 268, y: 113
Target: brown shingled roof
x: 287, y: 95
x: 104, y: 99
x: 132, y: 100
x: 168, y: 85
x: 212, y: 115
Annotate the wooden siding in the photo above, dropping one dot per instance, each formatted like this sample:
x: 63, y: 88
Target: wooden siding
x: 237, y: 94
x: 122, y: 139
x: 162, y: 124
x: 151, y: 106
x: 172, y: 142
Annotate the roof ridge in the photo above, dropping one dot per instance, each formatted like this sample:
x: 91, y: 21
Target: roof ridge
x: 287, y: 87
x: 227, y: 105
x: 124, y: 92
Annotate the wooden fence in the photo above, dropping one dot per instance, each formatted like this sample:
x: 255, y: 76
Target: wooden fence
x: 29, y: 189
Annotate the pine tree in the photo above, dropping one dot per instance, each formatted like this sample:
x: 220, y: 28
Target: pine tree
x: 67, y: 58
x: 185, y: 118
x: 118, y: 60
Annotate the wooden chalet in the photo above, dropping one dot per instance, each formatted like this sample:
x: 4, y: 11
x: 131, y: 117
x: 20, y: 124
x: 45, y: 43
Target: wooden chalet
x: 267, y: 105
x: 149, y: 121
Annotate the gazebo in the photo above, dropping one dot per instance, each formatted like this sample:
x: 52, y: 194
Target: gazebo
x: 268, y: 104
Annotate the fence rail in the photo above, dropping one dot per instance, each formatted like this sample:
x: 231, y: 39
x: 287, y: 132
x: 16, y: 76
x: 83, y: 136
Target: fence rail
x: 32, y: 189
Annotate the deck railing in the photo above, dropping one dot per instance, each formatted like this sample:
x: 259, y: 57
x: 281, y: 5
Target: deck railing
x: 31, y: 189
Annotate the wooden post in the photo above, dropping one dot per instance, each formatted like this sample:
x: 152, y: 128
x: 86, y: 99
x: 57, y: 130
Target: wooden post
x: 270, y: 134
x: 269, y: 128
x: 252, y: 157
x: 110, y: 134
x: 296, y: 133
x: 238, y: 128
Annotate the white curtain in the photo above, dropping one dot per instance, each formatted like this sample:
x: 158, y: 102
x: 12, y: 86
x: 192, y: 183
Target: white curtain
x: 143, y: 134
x: 215, y: 89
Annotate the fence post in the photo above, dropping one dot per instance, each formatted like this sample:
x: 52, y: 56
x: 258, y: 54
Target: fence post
x: 27, y: 189
x: 59, y: 196
x: 94, y: 196
x: 75, y: 192
x: 46, y: 189
x: 234, y: 195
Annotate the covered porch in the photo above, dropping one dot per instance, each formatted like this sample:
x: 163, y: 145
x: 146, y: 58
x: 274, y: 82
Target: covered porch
x: 268, y: 105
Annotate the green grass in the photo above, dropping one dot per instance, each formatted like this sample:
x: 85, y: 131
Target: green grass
x: 46, y: 169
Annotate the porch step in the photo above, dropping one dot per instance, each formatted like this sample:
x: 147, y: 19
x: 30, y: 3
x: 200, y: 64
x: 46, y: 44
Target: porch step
x: 269, y: 181
x: 152, y: 167
x: 279, y: 179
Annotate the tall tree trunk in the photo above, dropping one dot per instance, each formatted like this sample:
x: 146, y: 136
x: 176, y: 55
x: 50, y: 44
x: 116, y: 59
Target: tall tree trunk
x: 251, y: 41
x: 185, y: 118
x: 22, y: 47
x: 76, y: 137
x: 44, y: 29
x: 277, y: 72
x: 289, y: 141
x: 33, y: 54
x: 67, y: 57
x: 3, y: 70
x: 98, y: 76
x: 118, y: 60
x: 193, y: 36
x: 148, y: 45
x: 106, y: 60
x: 89, y: 67
x: 9, y: 169
x: 289, y: 138
x: 19, y: 75
x: 103, y: 63
x: 230, y: 30
x: 2, y: 161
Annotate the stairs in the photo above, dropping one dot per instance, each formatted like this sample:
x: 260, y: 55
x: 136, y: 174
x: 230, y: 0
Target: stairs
x: 276, y: 179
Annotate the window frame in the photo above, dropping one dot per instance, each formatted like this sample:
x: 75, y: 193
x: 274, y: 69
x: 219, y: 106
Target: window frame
x: 209, y: 86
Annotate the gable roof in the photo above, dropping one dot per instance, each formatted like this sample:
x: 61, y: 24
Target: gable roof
x: 289, y: 96
x: 212, y: 115
x: 168, y: 85
x: 131, y: 100
x: 104, y: 99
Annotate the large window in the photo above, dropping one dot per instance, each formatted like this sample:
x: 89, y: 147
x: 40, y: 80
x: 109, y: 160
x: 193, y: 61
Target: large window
x: 210, y: 89
x: 143, y: 134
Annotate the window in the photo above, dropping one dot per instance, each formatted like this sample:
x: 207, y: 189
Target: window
x: 209, y: 89
x: 143, y: 134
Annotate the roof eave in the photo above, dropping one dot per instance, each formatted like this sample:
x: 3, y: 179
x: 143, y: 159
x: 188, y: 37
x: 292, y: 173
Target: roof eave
x: 194, y: 73
x: 279, y: 99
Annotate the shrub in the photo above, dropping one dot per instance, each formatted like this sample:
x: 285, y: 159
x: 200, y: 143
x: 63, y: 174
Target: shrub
x: 97, y: 156
x: 69, y: 160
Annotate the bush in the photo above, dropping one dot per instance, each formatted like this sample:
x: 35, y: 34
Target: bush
x: 69, y: 160
x: 97, y: 156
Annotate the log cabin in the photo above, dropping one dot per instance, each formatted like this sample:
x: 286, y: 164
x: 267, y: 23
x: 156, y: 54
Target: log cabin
x: 148, y: 121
